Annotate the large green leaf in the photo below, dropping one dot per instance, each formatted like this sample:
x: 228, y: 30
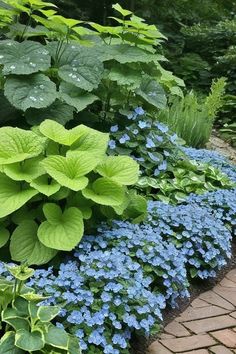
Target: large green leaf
x: 59, y: 134
x: 57, y: 337
x: 58, y: 111
x: 35, y: 90
x: 7, y: 344
x: 70, y: 171
x: 104, y: 191
x: 47, y: 313
x: 17, y: 145
x: 26, y: 247
x: 7, y: 111
x: 45, y: 185
x: 125, y: 75
x: 12, y: 195
x: 14, y: 319
x: 4, y: 236
x: 125, y: 53
x: 25, y: 170
x: 76, y: 97
x: 92, y: 141
x: 61, y: 231
x: 152, y: 92
x: 84, y: 71
x: 23, y: 58
x: 29, y: 341
x: 121, y: 169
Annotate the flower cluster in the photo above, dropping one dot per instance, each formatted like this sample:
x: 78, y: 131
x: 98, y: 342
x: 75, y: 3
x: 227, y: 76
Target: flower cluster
x: 196, y: 232
x: 150, y: 142
x: 115, y: 283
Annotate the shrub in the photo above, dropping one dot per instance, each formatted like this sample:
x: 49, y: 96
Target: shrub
x: 51, y: 181
x: 27, y: 326
x: 63, y: 66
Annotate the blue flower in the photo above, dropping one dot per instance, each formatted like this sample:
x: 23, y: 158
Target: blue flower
x: 139, y: 111
x: 150, y: 143
x: 163, y: 128
x: 112, y: 144
x: 114, y: 128
x: 124, y: 138
x: 142, y: 124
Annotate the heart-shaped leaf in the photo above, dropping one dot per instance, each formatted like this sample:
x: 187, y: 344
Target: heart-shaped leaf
x: 23, y: 58
x: 35, y: 90
x: 61, y: 231
x: 29, y: 341
x: 45, y: 185
x: 12, y: 196
x: 18, y: 145
x: 106, y: 192
x: 25, y: 170
x: 7, y: 344
x: 4, y: 236
x: 57, y: 337
x: 152, y: 92
x: 121, y: 169
x: 26, y: 247
x: 70, y: 171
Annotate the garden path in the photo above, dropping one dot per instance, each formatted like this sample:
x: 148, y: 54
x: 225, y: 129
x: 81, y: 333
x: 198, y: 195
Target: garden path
x: 208, y: 325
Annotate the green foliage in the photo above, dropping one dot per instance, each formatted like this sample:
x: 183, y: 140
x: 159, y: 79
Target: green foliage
x: 27, y: 326
x: 51, y: 180
x: 228, y: 132
x: 183, y: 178
x: 191, y: 118
x: 52, y: 67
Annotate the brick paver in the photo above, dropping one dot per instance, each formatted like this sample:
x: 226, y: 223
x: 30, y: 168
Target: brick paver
x: 207, y: 326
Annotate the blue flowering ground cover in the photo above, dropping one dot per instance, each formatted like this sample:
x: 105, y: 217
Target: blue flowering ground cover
x: 120, y: 280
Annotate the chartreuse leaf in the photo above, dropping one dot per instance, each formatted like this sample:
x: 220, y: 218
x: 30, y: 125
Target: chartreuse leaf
x: 20, y: 272
x: 18, y: 145
x: 76, y: 97
x: 45, y: 185
x: 26, y: 247
x: 92, y: 141
x: 70, y: 171
x: 61, y: 231
x: 36, y: 91
x: 152, y: 92
x: 59, y: 134
x: 122, y: 11
x: 25, y: 170
x: 23, y: 58
x: 29, y: 341
x: 57, y: 337
x: 104, y: 191
x: 121, y: 169
x: 4, y: 236
x: 7, y: 344
x: 12, y: 195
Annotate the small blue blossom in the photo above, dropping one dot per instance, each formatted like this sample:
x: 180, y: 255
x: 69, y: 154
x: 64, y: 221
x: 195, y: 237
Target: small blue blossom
x: 142, y: 124
x: 112, y: 144
x: 139, y: 111
x: 150, y: 143
x: 124, y: 138
x: 114, y: 128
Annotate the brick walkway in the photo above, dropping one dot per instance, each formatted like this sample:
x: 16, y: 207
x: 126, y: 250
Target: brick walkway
x: 207, y: 326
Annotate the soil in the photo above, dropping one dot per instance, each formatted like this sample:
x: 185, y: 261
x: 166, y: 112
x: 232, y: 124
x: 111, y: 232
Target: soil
x: 140, y: 344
